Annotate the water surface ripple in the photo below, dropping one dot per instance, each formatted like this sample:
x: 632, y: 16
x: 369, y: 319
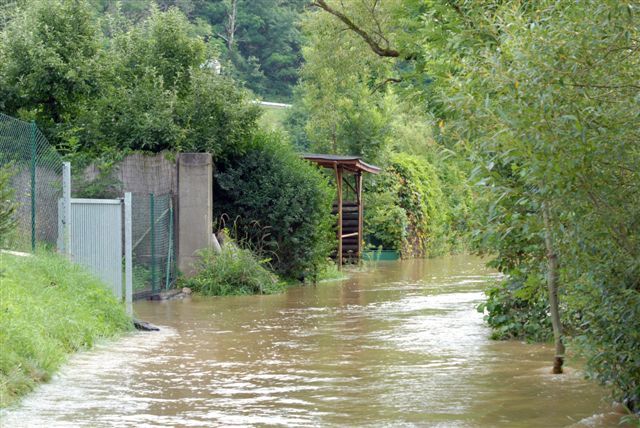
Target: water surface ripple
x: 401, y: 345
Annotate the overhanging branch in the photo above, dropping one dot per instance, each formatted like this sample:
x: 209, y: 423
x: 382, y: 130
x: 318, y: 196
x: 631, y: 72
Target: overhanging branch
x: 375, y: 46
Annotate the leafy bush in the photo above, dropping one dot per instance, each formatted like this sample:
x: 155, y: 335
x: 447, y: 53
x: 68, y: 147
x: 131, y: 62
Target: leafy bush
x: 7, y: 206
x: 272, y: 187
x: 408, y: 210
x: 517, y: 310
x: 234, y: 271
x: 49, y: 308
x: 611, y: 340
x: 386, y: 224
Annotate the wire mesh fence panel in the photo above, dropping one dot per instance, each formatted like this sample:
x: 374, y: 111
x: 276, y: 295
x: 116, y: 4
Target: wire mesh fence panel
x: 35, y: 169
x: 154, y: 266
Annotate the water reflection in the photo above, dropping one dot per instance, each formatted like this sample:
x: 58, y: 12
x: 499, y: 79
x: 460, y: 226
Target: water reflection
x: 401, y: 345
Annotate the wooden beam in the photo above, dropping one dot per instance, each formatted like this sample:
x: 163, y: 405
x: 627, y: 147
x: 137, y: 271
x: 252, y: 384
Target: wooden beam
x: 339, y: 187
x: 350, y: 186
x: 360, y: 211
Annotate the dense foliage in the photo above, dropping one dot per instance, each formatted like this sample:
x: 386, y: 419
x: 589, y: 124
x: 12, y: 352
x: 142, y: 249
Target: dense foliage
x: 257, y: 42
x: 279, y: 203
x: 550, y: 135
x: 517, y: 310
x: 50, y: 308
x: 7, y: 206
x: 345, y: 104
x: 105, y: 92
x: 541, y: 103
x: 233, y: 271
x: 406, y: 209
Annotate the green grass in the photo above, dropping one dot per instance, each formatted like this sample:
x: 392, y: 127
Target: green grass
x: 235, y: 271
x: 49, y: 308
x: 330, y: 272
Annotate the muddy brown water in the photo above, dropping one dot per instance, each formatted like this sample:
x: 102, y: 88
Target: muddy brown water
x: 400, y: 344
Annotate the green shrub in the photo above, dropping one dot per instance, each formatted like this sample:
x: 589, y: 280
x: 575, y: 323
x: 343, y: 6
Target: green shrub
x: 49, y: 308
x: 406, y: 209
x: 7, y: 206
x: 280, y: 204
x: 517, y: 310
x: 385, y: 222
x: 233, y: 271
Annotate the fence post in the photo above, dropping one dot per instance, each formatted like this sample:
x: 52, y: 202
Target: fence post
x: 66, y: 208
x: 170, y: 250
x: 128, y: 257
x: 33, y: 186
x: 152, y: 215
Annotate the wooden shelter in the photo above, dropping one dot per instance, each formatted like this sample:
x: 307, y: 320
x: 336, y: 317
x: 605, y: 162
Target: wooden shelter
x: 349, y: 211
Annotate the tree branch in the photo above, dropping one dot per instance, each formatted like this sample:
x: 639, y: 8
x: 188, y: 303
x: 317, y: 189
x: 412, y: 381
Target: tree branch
x: 588, y: 85
x: 385, y: 82
x: 375, y: 46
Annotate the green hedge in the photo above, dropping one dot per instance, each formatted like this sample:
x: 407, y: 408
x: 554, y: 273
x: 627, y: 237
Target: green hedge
x: 405, y: 208
x: 278, y: 204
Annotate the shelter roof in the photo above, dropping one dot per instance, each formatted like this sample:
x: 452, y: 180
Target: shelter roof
x: 350, y: 163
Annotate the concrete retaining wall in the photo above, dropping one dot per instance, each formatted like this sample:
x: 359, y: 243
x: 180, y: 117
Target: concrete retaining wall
x: 142, y: 173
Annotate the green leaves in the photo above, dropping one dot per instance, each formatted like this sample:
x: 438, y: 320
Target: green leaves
x: 280, y: 204
x: 8, y: 206
x: 563, y: 136
x: 138, y: 88
x: 233, y: 271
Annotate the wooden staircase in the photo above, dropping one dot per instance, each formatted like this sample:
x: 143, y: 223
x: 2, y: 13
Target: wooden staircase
x: 350, y: 231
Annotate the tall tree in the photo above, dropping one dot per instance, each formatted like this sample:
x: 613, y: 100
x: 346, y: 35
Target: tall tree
x: 48, y: 61
x: 545, y: 97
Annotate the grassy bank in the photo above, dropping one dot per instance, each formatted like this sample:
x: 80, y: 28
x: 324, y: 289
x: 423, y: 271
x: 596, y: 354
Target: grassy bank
x: 49, y: 308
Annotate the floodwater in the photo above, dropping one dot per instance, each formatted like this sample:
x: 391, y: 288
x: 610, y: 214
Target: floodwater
x: 398, y: 345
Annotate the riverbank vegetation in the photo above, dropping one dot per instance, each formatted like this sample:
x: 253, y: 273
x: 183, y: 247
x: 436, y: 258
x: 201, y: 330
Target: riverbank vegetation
x: 232, y: 271
x: 536, y: 107
x: 501, y: 128
x: 49, y: 308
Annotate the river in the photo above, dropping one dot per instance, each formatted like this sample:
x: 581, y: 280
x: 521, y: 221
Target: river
x: 397, y: 344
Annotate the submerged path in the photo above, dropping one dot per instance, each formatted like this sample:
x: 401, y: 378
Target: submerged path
x: 401, y: 345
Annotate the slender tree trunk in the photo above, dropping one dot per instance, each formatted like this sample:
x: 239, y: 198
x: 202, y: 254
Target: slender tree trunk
x: 231, y: 23
x: 552, y: 285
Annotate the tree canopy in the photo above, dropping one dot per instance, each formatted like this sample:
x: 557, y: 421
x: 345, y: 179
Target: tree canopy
x: 538, y: 103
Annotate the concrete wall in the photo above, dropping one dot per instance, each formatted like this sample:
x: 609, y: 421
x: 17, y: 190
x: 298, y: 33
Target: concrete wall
x: 143, y: 173
x: 189, y: 179
x: 195, y: 205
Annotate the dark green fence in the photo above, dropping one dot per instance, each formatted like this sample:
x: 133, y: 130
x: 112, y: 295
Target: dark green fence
x: 35, y: 168
x: 154, y: 262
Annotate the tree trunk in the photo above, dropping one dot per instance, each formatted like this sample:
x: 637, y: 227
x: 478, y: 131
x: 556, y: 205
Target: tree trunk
x: 552, y: 285
x: 231, y: 23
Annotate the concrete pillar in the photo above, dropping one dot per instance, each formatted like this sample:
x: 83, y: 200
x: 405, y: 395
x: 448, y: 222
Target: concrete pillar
x: 195, y: 175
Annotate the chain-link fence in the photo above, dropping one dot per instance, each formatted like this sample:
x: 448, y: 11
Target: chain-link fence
x: 154, y: 262
x: 36, y: 179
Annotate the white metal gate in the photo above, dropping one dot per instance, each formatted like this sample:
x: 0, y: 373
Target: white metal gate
x: 95, y: 239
